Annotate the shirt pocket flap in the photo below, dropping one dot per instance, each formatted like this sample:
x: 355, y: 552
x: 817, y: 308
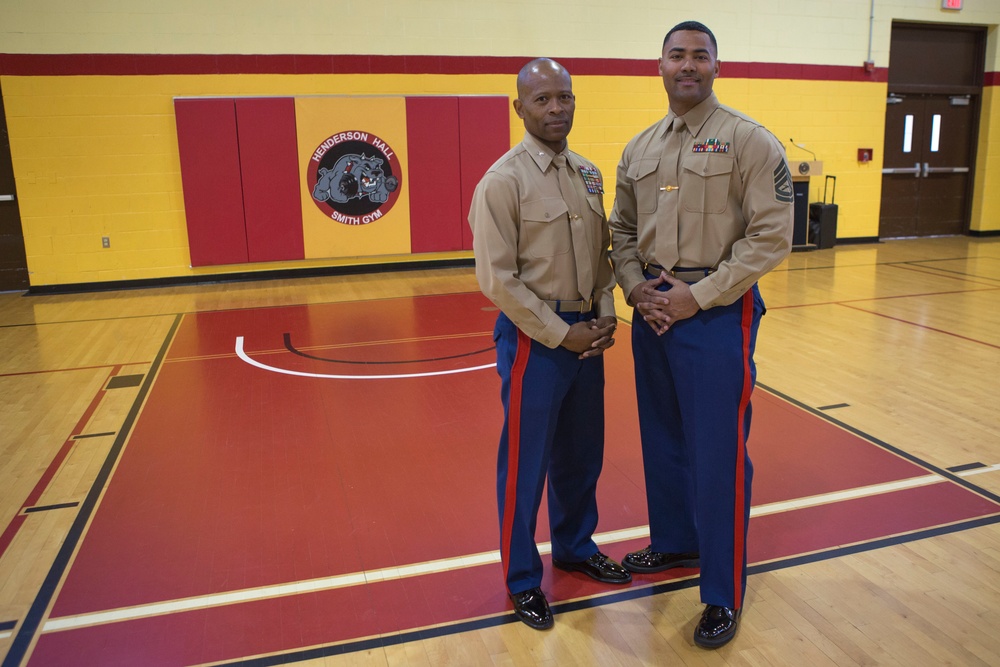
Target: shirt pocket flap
x: 707, y: 166
x: 642, y: 168
x: 543, y: 210
x: 596, y: 205
x: 705, y: 183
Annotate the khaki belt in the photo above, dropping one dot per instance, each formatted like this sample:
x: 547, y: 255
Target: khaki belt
x: 578, y: 306
x: 678, y: 272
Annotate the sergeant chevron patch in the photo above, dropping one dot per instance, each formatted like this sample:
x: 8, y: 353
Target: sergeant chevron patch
x: 783, y: 183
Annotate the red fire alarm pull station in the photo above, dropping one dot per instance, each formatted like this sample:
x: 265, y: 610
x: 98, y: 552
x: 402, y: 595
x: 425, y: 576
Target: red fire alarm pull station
x: 865, y: 155
x: 951, y: 4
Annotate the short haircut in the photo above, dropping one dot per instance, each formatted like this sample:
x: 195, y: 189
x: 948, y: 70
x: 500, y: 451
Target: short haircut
x: 536, y: 66
x: 693, y: 25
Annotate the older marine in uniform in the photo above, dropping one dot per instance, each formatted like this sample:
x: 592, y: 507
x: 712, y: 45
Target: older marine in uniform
x: 541, y: 240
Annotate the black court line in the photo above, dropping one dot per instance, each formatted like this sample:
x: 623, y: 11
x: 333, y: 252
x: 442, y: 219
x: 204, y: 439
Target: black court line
x: 291, y: 348
x: 967, y: 466
x: 46, y: 508
x: 834, y: 406
x: 92, y: 435
x: 122, y: 381
x: 32, y: 621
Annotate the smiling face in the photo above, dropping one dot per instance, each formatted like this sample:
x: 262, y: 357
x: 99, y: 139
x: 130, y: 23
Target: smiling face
x: 545, y: 103
x: 688, y: 67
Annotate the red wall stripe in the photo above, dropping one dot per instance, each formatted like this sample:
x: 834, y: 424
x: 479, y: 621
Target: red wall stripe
x: 17, y: 64
x: 484, y: 131
x: 210, y: 173
x: 269, y: 167
x: 433, y: 177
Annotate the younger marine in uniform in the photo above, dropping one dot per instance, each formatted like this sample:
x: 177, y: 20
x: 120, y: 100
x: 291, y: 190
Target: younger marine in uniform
x: 703, y: 209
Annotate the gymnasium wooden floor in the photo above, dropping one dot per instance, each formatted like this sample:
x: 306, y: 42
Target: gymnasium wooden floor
x: 300, y: 471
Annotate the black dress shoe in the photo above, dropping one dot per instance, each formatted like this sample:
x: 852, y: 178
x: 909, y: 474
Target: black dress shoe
x: 647, y: 561
x: 532, y: 609
x: 717, y: 626
x: 598, y: 567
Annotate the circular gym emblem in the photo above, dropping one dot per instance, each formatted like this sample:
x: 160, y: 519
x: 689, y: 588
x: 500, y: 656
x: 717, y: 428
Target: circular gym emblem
x: 354, y: 177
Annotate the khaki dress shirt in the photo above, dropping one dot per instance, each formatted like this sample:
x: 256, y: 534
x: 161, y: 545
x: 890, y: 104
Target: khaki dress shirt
x: 525, y: 251
x: 710, y: 189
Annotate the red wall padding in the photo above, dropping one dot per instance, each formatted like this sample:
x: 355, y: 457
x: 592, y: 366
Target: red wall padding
x: 239, y: 168
x: 269, y: 166
x: 433, y: 176
x: 210, y: 173
x: 484, y: 135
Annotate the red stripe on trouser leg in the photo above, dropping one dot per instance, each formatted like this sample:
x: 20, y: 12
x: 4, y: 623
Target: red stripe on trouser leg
x: 513, y: 444
x: 739, y: 524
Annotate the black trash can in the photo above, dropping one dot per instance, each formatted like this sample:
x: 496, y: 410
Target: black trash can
x: 823, y: 218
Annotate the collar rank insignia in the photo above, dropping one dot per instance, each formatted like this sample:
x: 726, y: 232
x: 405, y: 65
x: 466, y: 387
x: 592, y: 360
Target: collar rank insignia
x: 592, y: 178
x: 711, y: 146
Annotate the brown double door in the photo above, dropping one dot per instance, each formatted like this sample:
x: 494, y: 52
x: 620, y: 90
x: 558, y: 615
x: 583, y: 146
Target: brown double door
x: 927, y: 165
x: 13, y: 263
x: 931, y: 125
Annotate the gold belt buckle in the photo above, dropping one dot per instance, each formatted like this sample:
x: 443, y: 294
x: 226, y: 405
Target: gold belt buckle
x: 570, y: 305
x: 701, y: 273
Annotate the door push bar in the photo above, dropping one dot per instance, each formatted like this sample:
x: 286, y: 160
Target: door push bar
x: 944, y: 170
x: 925, y: 170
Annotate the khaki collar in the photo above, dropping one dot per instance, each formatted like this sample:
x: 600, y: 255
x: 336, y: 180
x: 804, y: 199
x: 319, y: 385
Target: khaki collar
x: 694, y: 118
x: 542, y: 155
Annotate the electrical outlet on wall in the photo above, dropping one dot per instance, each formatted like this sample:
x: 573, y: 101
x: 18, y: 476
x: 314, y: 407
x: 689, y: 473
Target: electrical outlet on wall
x: 105, y: 241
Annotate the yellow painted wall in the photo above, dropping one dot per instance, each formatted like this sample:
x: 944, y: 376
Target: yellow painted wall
x: 986, y: 204
x: 97, y: 155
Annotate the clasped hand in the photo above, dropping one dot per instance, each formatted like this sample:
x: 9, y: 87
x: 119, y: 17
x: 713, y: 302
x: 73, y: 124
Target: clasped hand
x: 659, y: 310
x: 591, y: 338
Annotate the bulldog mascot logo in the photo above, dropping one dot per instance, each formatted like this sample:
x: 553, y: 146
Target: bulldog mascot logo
x: 355, y: 177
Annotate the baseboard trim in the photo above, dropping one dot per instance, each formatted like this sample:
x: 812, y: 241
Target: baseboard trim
x: 857, y: 240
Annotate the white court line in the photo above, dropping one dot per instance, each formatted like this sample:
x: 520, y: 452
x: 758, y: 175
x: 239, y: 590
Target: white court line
x: 862, y: 492
x: 243, y: 355
x: 446, y: 564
